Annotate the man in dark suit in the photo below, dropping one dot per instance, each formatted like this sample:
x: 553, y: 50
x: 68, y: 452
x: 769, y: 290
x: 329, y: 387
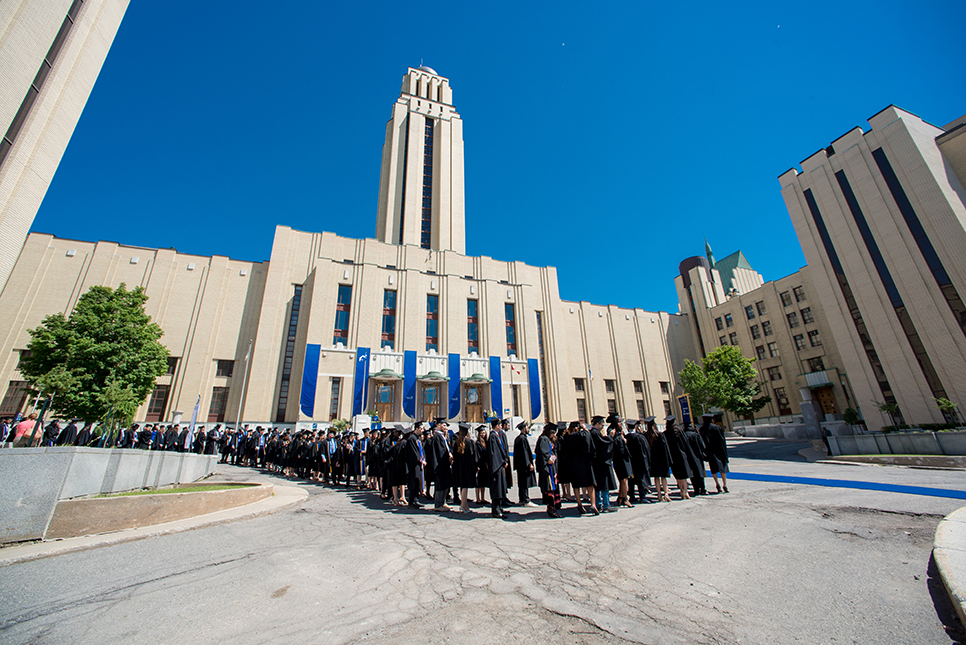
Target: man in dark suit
x: 497, y: 459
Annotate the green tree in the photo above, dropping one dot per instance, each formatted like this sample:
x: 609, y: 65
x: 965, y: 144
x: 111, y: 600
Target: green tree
x: 105, y: 356
x: 726, y: 380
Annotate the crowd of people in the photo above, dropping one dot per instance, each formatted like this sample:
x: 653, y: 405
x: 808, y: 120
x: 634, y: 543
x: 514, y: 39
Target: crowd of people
x: 573, y: 462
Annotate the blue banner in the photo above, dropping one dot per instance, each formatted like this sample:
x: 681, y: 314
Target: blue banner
x: 454, y: 385
x: 496, y: 387
x: 310, y: 377
x: 409, y: 384
x: 685, y: 404
x: 361, y: 383
x: 534, y: 387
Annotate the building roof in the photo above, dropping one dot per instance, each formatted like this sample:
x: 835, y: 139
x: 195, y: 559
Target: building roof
x: 726, y: 267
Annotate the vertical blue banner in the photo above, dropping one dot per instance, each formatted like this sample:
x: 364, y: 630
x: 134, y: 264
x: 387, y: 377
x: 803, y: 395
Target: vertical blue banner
x: 534, y: 373
x: 496, y: 387
x: 361, y: 381
x: 310, y: 377
x: 409, y: 384
x: 454, y: 385
x: 685, y: 404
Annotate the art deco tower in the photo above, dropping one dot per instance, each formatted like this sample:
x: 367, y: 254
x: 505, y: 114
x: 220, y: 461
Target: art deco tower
x: 421, y: 184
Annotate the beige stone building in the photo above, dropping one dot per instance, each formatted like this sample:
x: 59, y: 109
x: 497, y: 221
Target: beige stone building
x: 51, y: 52
x: 406, y: 324
x: 880, y: 215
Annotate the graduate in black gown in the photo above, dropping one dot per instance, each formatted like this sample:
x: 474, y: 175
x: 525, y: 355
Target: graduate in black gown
x: 563, y: 462
x: 603, y: 462
x: 50, y: 434
x: 464, y: 466
x: 415, y: 463
x: 677, y: 445
x: 497, y: 460
x: 622, y: 464
x: 69, y: 434
x: 716, y: 449
x: 442, y: 459
x: 398, y: 467
x: 523, y: 464
x: 640, y: 455
x: 547, y: 469
x: 660, y: 459
x: 482, y: 470
x: 580, y: 452
x: 695, y: 459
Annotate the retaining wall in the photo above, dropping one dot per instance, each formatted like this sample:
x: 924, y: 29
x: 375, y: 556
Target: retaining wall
x: 900, y: 443
x: 33, y: 480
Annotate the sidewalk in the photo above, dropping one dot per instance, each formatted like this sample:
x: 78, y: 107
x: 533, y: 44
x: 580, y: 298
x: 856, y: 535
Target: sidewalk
x: 284, y: 496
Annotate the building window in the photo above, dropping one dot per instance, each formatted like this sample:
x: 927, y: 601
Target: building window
x: 786, y: 298
x: 334, y: 398
x: 24, y: 353
x: 760, y: 306
x: 343, y: 304
x: 640, y: 409
x: 814, y: 339
x: 750, y: 312
x: 158, y: 403
x: 665, y: 387
x: 807, y: 316
x: 799, y: 341
x: 792, y: 320
x: 432, y: 322
x: 772, y: 350
x: 755, y: 332
x: 473, y: 326
x: 816, y: 364
x: 611, y: 406
x: 224, y: 368
x: 219, y: 403
x: 388, y: 339
x: 511, y: 329
x: 667, y: 408
x: 729, y: 321
x: 426, y: 230
x: 799, y: 294
x: 782, y: 399
x: 293, y: 322
x: 774, y: 374
x: 515, y: 397
x: 760, y: 352
x: 543, y: 366
x: 579, y: 384
x: 723, y: 340
x: 766, y: 327
x: 610, y: 385
x: 172, y: 364
x: 581, y: 410
x: 14, y: 399
x: 718, y: 323
x: 638, y: 387
x: 733, y: 338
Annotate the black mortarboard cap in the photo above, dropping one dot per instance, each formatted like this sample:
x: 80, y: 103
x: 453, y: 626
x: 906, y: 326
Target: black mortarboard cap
x: 550, y: 425
x: 521, y: 425
x: 465, y: 426
x: 613, y: 418
x: 647, y: 419
x: 631, y: 422
x: 596, y: 419
x: 670, y: 417
x: 707, y: 415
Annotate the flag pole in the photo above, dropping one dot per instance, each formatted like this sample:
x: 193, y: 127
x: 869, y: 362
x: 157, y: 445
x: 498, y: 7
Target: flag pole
x: 241, y: 397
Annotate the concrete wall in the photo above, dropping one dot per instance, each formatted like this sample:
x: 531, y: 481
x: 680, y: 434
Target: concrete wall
x: 900, y: 443
x: 797, y: 431
x: 33, y: 480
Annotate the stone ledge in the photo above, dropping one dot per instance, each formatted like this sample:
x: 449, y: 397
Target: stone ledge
x: 949, y: 552
x: 929, y: 461
x: 77, y: 517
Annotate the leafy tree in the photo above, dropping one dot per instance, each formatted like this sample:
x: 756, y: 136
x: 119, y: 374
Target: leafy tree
x: 106, y: 355
x: 726, y: 380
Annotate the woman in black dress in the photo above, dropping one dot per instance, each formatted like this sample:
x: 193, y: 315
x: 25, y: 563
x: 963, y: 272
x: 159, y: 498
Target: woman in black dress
x: 464, y: 466
x: 482, y: 468
x: 547, y: 469
x: 660, y: 460
x: 622, y: 465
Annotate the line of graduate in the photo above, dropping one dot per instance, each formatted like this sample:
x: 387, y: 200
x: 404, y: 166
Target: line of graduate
x: 575, y: 462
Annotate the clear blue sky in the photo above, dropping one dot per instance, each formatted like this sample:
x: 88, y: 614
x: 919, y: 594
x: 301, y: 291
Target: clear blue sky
x: 605, y: 139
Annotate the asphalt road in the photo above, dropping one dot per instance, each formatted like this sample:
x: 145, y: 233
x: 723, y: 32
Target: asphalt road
x: 771, y: 562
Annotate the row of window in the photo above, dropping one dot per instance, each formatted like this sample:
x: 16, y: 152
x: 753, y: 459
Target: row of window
x: 787, y: 298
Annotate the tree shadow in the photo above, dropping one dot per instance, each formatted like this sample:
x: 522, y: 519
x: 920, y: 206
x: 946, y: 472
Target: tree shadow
x: 770, y: 449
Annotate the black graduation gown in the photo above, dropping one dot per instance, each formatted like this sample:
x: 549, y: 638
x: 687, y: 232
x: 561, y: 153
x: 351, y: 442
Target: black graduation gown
x: 660, y: 456
x: 482, y: 465
x: 67, y: 437
x: 399, y: 469
x: 442, y: 469
x: 561, y: 449
x: 522, y: 460
x: 677, y: 445
x: 696, y: 453
x: 715, y: 447
x: 640, y: 455
x: 603, y: 461
x: 622, y: 458
x: 580, y: 451
x: 50, y: 434
x: 545, y: 450
x: 497, y: 459
x: 83, y: 436
x: 464, y: 465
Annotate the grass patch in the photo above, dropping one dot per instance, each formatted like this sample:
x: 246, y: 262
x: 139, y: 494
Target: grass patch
x: 183, y: 489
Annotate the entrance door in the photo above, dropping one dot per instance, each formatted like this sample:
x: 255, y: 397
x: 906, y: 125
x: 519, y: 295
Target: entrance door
x: 826, y: 399
x: 430, y: 401
x: 385, y: 400
x: 475, y: 395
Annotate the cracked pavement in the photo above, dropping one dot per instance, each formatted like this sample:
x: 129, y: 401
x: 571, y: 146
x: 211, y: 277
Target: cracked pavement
x: 767, y: 563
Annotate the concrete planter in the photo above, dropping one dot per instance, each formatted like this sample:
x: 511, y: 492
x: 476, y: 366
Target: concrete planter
x: 952, y: 443
x: 865, y: 445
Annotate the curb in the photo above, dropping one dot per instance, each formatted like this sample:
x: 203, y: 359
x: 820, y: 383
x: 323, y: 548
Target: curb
x: 284, y: 497
x: 949, y: 553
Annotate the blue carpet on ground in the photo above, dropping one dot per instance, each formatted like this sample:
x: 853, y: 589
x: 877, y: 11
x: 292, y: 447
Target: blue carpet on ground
x: 846, y: 483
